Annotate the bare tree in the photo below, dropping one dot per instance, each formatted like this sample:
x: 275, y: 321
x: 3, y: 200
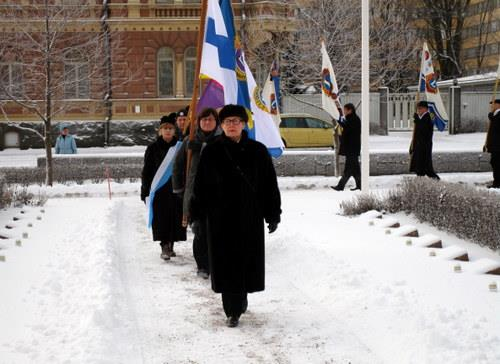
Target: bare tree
x: 393, y: 43
x: 52, y: 56
x: 444, y: 24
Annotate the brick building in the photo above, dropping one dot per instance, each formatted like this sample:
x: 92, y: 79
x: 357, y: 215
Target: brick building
x: 152, y: 63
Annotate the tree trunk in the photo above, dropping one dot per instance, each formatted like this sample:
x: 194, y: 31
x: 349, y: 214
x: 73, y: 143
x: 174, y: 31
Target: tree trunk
x: 48, y: 153
x: 48, y: 101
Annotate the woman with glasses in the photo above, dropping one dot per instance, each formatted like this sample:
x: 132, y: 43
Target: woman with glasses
x: 167, y: 208
x: 235, y: 191
x: 207, y: 129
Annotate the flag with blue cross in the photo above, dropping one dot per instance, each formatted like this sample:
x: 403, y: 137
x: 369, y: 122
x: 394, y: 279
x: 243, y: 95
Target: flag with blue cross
x: 231, y: 81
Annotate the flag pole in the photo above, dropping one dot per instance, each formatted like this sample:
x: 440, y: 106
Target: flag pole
x: 365, y: 94
x: 192, y: 107
x: 417, y: 100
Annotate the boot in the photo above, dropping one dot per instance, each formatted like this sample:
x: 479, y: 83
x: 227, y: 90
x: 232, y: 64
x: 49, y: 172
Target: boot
x: 171, y: 250
x: 164, y: 251
x: 337, y: 188
x: 232, y: 321
x: 244, y: 306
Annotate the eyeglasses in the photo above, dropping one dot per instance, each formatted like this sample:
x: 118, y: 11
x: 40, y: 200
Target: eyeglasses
x: 207, y: 119
x: 234, y: 121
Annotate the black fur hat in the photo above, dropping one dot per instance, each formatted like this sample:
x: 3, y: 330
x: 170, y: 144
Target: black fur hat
x: 233, y: 110
x: 423, y: 104
x: 168, y: 119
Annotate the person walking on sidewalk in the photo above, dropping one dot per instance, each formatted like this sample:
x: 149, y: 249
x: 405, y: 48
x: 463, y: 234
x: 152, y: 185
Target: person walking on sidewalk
x: 235, y: 191
x: 206, y: 132
x: 493, y: 142
x: 421, y: 146
x: 166, y: 206
x: 350, y: 147
x: 65, y: 143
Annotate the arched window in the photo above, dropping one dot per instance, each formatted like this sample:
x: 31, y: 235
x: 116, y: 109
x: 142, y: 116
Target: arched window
x: 11, y: 80
x: 166, y: 72
x: 189, y: 70
x: 76, y: 76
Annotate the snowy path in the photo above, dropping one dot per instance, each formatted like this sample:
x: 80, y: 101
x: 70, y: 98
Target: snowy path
x: 88, y: 286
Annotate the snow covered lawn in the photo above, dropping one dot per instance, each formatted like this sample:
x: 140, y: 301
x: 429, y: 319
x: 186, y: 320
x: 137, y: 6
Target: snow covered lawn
x: 88, y: 286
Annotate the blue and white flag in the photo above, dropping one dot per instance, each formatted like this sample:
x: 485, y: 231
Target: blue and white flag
x: 161, y: 177
x: 223, y: 62
x: 428, y: 87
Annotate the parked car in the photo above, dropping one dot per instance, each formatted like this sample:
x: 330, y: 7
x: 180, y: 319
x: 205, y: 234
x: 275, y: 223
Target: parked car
x: 303, y: 130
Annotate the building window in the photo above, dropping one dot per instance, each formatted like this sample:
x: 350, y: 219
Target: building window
x: 189, y: 70
x: 76, y: 77
x: 165, y: 72
x: 11, y: 80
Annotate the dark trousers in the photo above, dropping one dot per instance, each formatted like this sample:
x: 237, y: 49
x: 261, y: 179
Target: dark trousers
x: 351, y: 169
x: 234, y: 304
x: 200, y: 244
x: 495, y: 165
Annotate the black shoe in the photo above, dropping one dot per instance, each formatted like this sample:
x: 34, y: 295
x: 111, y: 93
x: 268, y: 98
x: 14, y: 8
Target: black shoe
x: 244, y: 307
x: 356, y: 188
x: 337, y: 188
x: 493, y: 186
x: 202, y: 273
x: 232, y: 321
x: 164, y: 252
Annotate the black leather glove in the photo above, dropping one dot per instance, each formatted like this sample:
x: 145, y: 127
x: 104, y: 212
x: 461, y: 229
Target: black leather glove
x: 272, y: 226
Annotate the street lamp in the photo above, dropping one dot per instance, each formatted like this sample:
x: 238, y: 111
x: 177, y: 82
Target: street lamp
x: 365, y: 95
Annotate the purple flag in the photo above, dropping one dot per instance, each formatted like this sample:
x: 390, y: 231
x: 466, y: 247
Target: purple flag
x: 213, y: 96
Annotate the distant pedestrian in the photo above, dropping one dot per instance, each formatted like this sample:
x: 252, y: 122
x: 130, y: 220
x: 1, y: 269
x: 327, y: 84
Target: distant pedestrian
x: 206, y: 132
x: 235, y: 190
x: 166, y: 206
x: 421, y: 146
x: 493, y: 142
x: 65, y: 143
x: 350, y: 147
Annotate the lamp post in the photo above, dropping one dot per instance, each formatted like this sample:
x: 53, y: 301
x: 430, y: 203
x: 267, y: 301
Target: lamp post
x: 365, y: 95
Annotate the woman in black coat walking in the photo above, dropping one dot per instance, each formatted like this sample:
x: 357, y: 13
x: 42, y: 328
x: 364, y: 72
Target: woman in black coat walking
x: 421, y: 146
x: 235, y: 190
x: 167, y: 207
x: 350, y: 147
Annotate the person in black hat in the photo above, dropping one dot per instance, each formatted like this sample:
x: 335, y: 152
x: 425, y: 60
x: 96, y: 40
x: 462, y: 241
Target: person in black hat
x: 167, y: 208
x: 235, y: 191
x: 350, y: 147
x: 421, y: 145
x: 206, y: 133
x: 181, y: 120
x: 492, y: 145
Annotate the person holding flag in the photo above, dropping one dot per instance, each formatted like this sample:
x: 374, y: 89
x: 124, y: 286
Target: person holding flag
x: 493, y: 142
x: 350, y: 147
x: 164, y: 207
x: 421, y: 147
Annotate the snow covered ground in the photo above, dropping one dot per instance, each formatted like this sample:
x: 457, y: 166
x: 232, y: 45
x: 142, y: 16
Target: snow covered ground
x: 395, y: 142
x: 87, y: 286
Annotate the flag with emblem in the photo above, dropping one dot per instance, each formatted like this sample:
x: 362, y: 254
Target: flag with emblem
x: 270, y: 94
x: 428, y: 87
x: 329, y: 86
x: 230, y: 79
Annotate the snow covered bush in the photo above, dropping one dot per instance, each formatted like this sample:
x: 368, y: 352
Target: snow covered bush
x: 5, y: 196
x: 467, y: 212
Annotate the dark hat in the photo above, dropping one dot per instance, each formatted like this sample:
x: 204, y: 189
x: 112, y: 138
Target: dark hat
x: 233, y: 110
x: 183, y: 112
x: 496, y: 101
x: 423, y: 104
x: 168, y: 119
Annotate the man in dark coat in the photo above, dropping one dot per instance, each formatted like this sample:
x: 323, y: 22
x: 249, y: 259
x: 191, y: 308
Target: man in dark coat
x: 206, y: 132
x: 235, y: 190
x: 350, y: 147
x: 493, y: 142
x: 421, y: 145
x: 167, y: 207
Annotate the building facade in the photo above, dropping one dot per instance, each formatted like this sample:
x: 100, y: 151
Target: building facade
x: 152, y: 57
